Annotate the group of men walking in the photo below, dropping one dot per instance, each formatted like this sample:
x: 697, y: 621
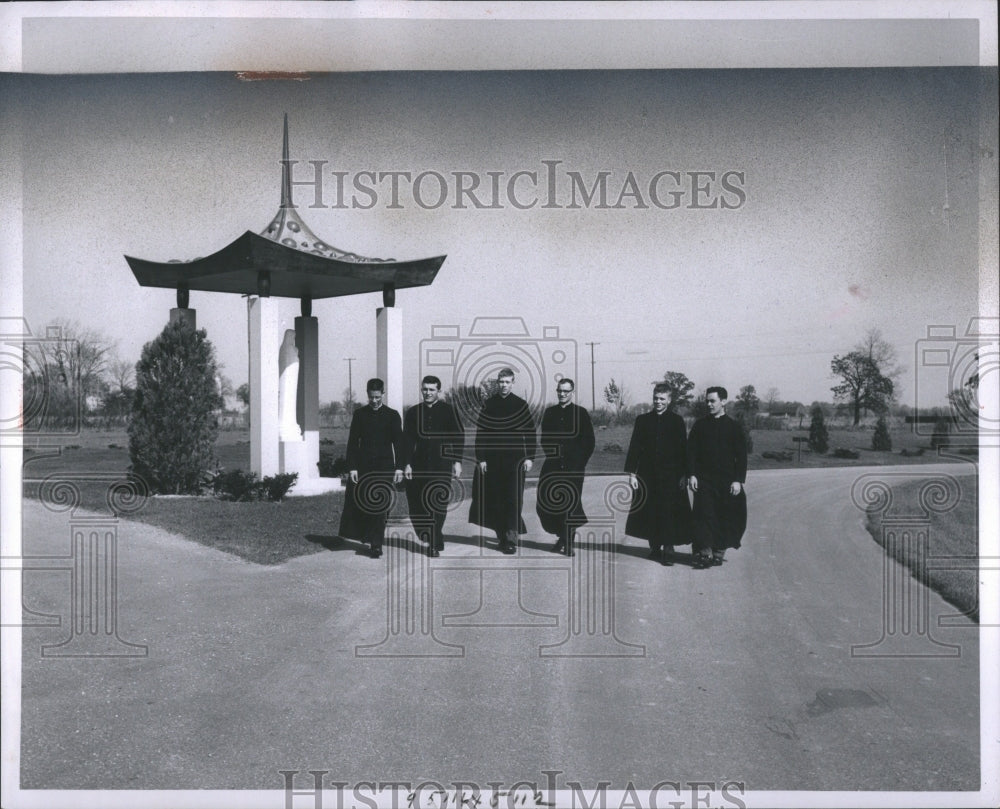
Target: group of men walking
x: 663, y: 463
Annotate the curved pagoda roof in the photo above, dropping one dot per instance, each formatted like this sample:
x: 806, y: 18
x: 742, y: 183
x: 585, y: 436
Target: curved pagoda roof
x: 286, y: 259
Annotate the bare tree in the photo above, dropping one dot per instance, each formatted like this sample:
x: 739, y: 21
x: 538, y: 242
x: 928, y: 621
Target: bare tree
x: 884, y: 355
x: 121, y: 374
x: 74, y: 361
x: 772, y: 395
x: 225, y: 385
x: 347, y: 399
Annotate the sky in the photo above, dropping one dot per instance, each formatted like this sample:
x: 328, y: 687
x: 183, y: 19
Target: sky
x: 857, y: 208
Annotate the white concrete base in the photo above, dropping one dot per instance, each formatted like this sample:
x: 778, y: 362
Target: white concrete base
x: 292, y: 457
x: 310, y: 460
x: 309, y: 487
x: 301, y: 455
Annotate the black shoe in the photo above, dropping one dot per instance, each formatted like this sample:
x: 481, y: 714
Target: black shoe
x: 433, y: 552
x: 702, y: 562
x: 559, y: 547
x: 376, y: 553
x: 717, y: 560
x: 654, y: 554
x: 509, y: 548
x: 667, y: 560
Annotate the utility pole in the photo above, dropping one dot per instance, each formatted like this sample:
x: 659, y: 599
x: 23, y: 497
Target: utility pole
x: 593, y: 400
x: 350, y: 384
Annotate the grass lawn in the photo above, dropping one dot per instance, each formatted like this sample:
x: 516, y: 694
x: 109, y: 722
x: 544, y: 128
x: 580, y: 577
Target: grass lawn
x: 271, y: 533
x: 953, y: 535
x: 263, y: 533
x: 612, y: 444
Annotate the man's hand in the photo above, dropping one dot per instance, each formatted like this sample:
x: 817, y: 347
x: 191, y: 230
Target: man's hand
x: 408, y: 472
x: 736, y: 488
x: 693, y: 483
x: 456, y: 469
x: 527, y: 464
x: 482, y: 467
x: 633, y: 480
x: 353, y: 475
x: 397, y: 476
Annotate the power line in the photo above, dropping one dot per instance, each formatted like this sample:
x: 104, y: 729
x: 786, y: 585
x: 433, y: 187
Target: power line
x: 593, y: 399
x: 722, y: 356
x: 350, y: 384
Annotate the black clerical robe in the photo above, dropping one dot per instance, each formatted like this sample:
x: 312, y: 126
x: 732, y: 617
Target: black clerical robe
x: 505, y: 438
x: 375, y: 449
x: 657, y: 456
x: 568, y: 442
x: 434, y: 440
x: 717, y: 457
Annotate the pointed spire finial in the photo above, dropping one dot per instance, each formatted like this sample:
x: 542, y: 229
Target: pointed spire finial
x: 286, y: 176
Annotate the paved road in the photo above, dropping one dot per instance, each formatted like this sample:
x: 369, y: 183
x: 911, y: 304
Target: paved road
x: 743, y: 672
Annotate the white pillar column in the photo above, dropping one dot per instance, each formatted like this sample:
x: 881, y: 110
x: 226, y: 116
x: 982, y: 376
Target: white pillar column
x: 265, y: 339
x: 389, y: 354
x: 307, y: 341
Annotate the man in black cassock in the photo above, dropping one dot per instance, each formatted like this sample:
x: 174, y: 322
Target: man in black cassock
x: 434, y: 440
x: 375, y: 460
x: 717, y: 471
x: 568, y: 443
x: 657, y: 462
x: 505, y: 446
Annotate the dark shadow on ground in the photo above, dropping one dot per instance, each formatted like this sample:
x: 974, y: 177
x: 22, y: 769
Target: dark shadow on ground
x: 332, y: 542
x: 679, y: 557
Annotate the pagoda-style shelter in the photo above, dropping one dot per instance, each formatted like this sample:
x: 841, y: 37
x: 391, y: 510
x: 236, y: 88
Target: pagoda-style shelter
x: 287, y: 260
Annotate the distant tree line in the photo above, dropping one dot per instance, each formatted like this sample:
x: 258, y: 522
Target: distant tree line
x: 75, y: 377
